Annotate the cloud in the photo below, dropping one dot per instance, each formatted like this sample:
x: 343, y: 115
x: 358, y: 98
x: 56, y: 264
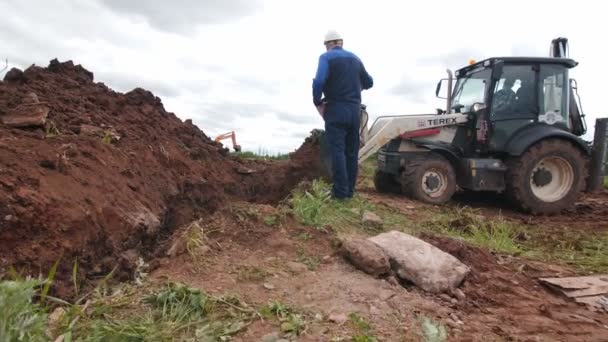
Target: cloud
x: 453, y: 60
x: 309, y: 118
x: 413, y: 90
x: 182, y: 16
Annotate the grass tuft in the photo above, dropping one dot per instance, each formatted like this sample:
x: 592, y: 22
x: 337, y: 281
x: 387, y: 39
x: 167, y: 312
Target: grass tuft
x: 20, y: 318
x: 292, y: 323
x: 363, y: 329
x: 499, y: 234
x: 433, y: 331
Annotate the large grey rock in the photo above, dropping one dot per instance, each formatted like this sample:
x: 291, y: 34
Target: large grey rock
x: 366, y: 256
x: 423, y: 264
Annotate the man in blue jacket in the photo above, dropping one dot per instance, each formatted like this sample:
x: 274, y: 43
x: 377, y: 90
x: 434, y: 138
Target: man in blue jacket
x: 341, y: 77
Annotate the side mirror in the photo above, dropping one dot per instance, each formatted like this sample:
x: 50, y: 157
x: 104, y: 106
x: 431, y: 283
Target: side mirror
x: 439, y: 88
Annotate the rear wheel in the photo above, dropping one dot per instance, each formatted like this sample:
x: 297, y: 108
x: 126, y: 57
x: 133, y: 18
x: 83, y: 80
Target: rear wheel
x: 431, y: 180
x: 385, y: 182
x: 547, y: 178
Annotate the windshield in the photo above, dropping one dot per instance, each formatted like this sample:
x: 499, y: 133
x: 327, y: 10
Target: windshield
x: 470, y: 89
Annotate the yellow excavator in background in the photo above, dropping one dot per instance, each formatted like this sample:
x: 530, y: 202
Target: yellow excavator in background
x: 235, y: 146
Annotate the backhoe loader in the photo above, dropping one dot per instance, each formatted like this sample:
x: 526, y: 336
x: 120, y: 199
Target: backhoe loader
x: 511, y: 125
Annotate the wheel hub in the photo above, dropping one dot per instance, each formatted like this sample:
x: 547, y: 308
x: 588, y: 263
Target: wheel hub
x: 434, y: 183
x: 542, y: 177
x: 552, y: 179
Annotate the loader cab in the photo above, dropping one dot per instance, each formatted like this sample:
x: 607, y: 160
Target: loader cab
x: 506, y: 95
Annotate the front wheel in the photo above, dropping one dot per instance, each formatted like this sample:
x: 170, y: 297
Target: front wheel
x: 547, y: 178
x: 430, y: 180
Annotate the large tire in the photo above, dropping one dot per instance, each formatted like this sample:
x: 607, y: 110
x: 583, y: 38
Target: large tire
x: 431, y: 179
x: 547, y: 178
x: 385, y: 182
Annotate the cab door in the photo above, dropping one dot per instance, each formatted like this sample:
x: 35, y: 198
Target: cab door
x: 514, y: 103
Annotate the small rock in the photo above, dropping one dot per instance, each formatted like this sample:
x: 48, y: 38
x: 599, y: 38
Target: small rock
x: 8, y: 217
x: 129, y: 259
x: 452, y: 323
x: 29, y: 113
x: 455, y: 317
x: 268, y: 286
x: 326, y: 258
x: 374, y: 311
x: 272, y: 337
x: 445, y: 297
x: 459, y: 294
x: 47, y: 164
x: 366, y: 256
x: 372, y: 220
x: 55, y: 319
x: 13, y: 75
x: 91, y: 131
x: 386, y: 295
x: 296, y: 267
x: 338, y: 318
x: 410, y: 207
x: 177, y: 247
x: 393, y: 281
x: 454, y: 301
x: 318, y: 317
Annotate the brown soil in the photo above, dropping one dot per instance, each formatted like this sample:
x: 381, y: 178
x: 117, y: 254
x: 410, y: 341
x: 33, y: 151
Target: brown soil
x: 504, y: 301
x: 81, y: 195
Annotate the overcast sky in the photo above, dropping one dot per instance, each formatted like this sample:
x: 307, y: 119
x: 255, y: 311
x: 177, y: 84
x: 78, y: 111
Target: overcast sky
x: 247, y: 65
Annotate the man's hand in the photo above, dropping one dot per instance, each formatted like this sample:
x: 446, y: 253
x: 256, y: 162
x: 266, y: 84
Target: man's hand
x: 321, y: 109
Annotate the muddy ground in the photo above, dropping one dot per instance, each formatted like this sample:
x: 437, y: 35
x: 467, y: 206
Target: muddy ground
x: 111, y: 178
x: 110, y: 174
x: 261, y: 263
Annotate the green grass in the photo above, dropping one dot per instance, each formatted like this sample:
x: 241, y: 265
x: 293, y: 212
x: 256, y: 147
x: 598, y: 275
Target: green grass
x: 433, y: 331
x: 586, y: 252
x: 313, y: 206
x: 292, y: 323
x: 367, y: 170
x: 362, y: 328
x: 173, y: 312
x: 499, y: 234
x: 21, y: 319
x: 605, y: 182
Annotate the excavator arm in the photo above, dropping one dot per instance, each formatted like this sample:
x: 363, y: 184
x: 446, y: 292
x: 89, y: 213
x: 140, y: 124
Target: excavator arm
x: 387, y: 128
x: 232, y: 135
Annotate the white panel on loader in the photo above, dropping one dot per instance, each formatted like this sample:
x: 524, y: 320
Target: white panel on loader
x: 386, y: 128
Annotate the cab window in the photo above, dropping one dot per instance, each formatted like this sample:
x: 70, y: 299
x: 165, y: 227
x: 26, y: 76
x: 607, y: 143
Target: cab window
x: 553, y: 95
x: 514, y: 93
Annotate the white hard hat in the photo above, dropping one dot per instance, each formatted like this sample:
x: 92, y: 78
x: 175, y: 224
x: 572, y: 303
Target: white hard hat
x: 332, y: 35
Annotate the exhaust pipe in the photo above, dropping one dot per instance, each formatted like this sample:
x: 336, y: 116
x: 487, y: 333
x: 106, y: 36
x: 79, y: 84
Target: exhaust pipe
x: 449, y: 97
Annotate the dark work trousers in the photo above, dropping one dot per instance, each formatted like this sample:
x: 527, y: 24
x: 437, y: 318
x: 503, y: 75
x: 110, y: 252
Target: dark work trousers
x: 342, y: 130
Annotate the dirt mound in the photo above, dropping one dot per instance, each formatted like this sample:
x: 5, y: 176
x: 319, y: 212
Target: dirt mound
x: 105, y: 175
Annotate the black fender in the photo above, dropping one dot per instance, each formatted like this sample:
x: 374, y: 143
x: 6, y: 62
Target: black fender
x: 450, y: 152
x: 530, y: 135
